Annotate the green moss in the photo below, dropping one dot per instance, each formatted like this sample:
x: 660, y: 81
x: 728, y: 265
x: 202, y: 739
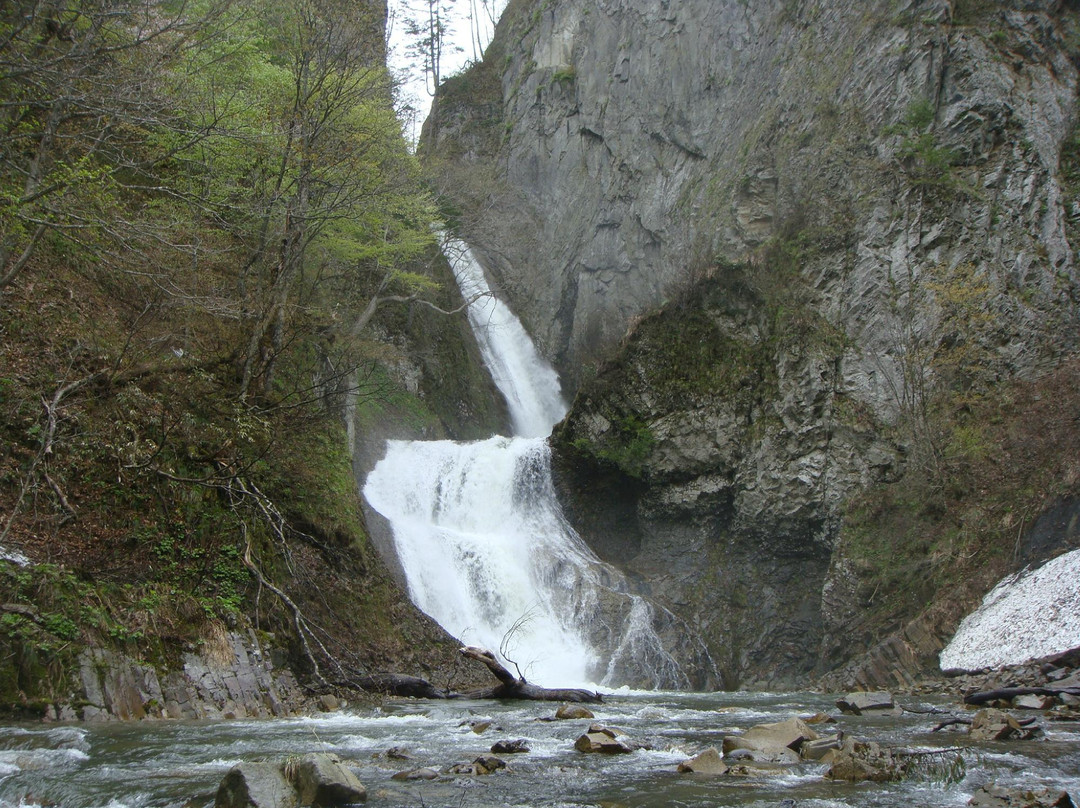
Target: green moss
x: 626, y: 446
x: 564, y: 75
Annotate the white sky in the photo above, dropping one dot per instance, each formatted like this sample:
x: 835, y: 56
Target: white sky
x: 460, y: 49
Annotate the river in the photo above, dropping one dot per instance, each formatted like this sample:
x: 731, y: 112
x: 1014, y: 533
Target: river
x: 166, y: 764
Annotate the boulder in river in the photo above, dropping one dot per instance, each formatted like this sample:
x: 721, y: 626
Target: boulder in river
x: 859, y: 703
x: 417, y: 774
x: 604, y: 740
x: 778, y: 742
x: 993, y: 796
x: 510, y: 747
x: 708, y: 762
x: 857, y: 761
x: 485, y: 764
x: 322, y: 779
x: 315, y: 779
x: 818, y: 748
x: 1032, y: 701
x: 255, y: 785
x: 572, y: 711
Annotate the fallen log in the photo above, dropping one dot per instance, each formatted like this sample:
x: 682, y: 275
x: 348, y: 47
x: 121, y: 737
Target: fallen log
x: 397, y: 684
x: 1007, y: 693
x: 509, y: 687
x: 515, y: 687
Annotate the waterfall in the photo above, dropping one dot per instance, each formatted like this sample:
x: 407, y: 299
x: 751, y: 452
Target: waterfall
x: 483, y: 542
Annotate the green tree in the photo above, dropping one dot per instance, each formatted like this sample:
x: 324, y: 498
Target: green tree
x: 80, y: 101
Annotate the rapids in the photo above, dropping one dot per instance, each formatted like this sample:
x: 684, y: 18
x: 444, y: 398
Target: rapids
x: 168, y: 764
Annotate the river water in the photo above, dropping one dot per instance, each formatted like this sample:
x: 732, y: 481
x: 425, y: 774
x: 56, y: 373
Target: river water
x: 179, y: 764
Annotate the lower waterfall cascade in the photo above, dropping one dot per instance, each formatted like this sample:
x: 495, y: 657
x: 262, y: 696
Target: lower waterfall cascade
x: 483, y: 542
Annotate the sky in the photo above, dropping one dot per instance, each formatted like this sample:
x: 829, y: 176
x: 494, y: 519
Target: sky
x: 469, y: 30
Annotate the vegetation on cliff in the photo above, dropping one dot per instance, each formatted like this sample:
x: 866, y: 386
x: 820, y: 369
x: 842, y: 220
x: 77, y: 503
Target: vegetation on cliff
x: 204, y: 209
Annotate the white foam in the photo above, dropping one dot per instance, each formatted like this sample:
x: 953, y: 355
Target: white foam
x: 481, y: 537
x: 1026, y: 616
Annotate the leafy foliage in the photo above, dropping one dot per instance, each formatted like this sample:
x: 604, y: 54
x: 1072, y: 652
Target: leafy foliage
x: 202, y: 206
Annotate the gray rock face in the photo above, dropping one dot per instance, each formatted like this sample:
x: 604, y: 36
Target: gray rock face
x: 890, y: 179
x: 643, y: 142
x: 238, y: 681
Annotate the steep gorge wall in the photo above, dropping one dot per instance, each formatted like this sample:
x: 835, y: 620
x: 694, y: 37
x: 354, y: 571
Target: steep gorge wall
x: 836, y: 210
x: 640, y: 144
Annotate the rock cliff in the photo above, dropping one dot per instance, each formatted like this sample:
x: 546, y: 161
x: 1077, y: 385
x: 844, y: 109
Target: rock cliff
x: 788, y: 252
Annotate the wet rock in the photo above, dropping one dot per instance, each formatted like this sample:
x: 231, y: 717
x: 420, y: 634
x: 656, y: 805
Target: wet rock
x: 480, y: 727
x: 329, y: 703
x: 571, y: 711
x: 777, y: 742
x: 322, y: 779
x: 772, y: 754
x: 817, y: 749
x: 856, y: 762
x: 603, y: 740
x: 995, y: 725
x: 758, y: 769
x: 1033, y: 702
x: 255, y: 785
x: 416, y: 774
x: 708, y: 762
x: 398, y: 753
x: 489, y: 764
x: 859, y: 703
x: 739, y: 754
x: 483, y: 765
x: 510, y: 747
x: 819, y: 718
x: 992, y: 796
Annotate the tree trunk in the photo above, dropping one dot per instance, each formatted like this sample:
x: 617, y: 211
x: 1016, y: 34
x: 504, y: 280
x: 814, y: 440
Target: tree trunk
x: 509, y: 687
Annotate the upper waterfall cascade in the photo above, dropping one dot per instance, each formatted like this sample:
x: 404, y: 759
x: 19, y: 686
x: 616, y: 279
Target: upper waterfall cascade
x: 483, y: 542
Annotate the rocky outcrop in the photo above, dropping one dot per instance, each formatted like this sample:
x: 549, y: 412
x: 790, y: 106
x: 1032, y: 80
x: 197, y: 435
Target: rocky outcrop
x: 838, y: 208
x: 710, y: 460
x: 640, y: 143
x: 237, y: 679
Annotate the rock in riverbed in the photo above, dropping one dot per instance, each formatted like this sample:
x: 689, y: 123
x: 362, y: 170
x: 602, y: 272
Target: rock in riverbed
x: 860, y: 703
x: 510, y: 747
x: 708, y: 762
x: 315, y: 779
x: 996, y: 725
x: 571, y: 711
x: 778, y: 742
x: 604, y: 740
x: 993, y: 796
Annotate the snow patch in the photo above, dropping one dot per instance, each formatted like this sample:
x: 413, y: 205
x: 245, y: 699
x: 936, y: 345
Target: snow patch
x: 1028, y: 615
